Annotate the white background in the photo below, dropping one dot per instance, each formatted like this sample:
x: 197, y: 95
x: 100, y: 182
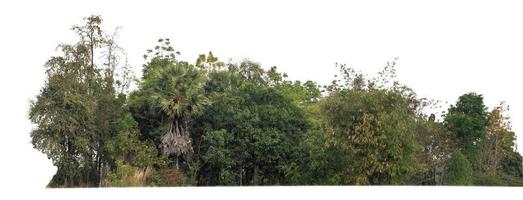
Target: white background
x: 445, y: 49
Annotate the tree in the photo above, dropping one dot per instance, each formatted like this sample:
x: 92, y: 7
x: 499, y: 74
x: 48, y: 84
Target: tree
x: 498, y: 142
x: 176, y: 89
x: 467, y: 121
x: 75, y: 108
x: 373, y: 125
x: 499, y: 147
x: 252, y: 132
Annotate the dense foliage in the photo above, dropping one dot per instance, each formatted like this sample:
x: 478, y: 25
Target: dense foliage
x: 210, y: 122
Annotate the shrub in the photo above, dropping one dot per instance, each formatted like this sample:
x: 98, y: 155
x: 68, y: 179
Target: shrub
x: 459, y: 171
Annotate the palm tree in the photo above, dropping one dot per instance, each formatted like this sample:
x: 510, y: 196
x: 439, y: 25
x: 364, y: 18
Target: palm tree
x: 177, y: 88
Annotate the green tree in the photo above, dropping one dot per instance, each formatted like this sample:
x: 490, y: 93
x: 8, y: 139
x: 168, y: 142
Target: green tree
x: 467, y: 121
x: 372, y: 124
x: 175, y: 89
x: 252, y: 132
x: 75, y: 109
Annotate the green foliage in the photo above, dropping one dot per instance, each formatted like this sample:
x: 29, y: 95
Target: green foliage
x: 75, y: 109
x: 253, y: 132
x: 220, y: 157
x: 132, y: 160
x: 125, y: 147
x: 467, y: 121
x: 216, y: 123
x: 323, y: 163
x: 374, y: 127
x: 175, y: 89
x: 459, y: 170
x: 512, y: 164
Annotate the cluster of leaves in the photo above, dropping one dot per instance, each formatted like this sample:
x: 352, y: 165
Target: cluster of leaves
x: 216, y: 123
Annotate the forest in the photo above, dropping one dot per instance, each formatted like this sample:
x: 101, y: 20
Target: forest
x: 214, y: 123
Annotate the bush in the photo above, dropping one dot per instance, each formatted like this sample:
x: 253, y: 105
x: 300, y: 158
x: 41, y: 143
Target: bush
x: 459, y: 171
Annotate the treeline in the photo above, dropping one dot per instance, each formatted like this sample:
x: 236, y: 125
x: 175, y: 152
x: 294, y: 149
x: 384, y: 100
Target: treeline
x: 214, y: 123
